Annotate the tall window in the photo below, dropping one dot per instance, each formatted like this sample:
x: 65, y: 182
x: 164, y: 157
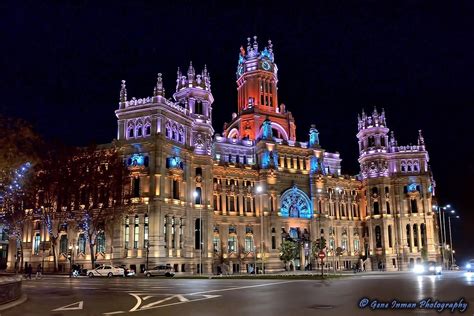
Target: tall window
x: 136, y: 232
x: 198, y: 107
x: 176, y: 189
x: 197, y: 234
x: 344, y: 244
x: 145, y: 231
x: 378, y: 237
x: 231, y: 203
x: 63, y: 246
x: 101, y: 242
x: 81, y: 244
x: 415, y: 235
x: 216, y: 243
x: 136, y: 187
x: 423, y: 234
x: 388, y: 207
x: 356, y: 245
x: 376, y: 208
x: 232, y: 244
x: 215, y: 202
x: 127, y: 232
x: 408, y: 235
x: 36, y: 243
x: 173, y: 232
x: 248, y: 243
x: 414, y: 206
x: 198, y: 198
x: 390, y: 236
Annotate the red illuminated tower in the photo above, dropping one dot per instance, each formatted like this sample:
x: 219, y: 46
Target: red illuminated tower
x: 258, y: 97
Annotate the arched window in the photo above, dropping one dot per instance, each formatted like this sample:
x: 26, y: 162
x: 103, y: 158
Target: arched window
x: 387, y: 204
x: 375, y: 191
x: 414, y: 206
x: 139, y: 129
x: 147, y: 129
x: 168, y: 130
x: 181, y: 135
x: 176, y: 189
x: 378, y: 237
x: 248, y: 243
x: 131, y: 130
x: 101, y: 242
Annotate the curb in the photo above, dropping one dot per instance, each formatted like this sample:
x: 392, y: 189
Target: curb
x: 16, y: 302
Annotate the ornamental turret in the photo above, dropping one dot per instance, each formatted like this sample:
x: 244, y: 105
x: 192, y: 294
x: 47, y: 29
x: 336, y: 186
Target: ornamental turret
x: 313, y: 137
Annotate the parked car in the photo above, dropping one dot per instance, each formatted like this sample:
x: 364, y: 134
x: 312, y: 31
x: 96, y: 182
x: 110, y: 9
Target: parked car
x: 455, y: 267
x: 470, y: 265
x: 106, y: 271
x: 161, y: 270
x: 128, y: 272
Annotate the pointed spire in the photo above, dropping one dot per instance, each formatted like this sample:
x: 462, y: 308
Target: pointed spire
x: 123, y: 92
x: 159, y: 90
x: 270, y: 46
x: 393, y: 141
x: 249, y: 45
x: 191, y: 72
x: 375, y: 113
x: 421, y: 140
x: 255, y: 44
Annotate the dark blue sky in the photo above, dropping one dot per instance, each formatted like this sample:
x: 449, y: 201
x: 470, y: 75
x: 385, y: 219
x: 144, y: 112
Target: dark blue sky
x: 61, y: 66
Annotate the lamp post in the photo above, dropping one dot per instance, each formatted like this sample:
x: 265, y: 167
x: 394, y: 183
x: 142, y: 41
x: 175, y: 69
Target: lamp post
x: 259, y: 192
x: 197, y: 194
x: 451, y: 238
x: 442, y: 223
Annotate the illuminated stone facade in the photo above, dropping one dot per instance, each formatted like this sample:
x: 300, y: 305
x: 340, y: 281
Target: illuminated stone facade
x: 183, y: 172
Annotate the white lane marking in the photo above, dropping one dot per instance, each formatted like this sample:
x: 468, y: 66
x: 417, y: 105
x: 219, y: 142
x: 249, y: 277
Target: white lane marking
x: 241, y: 287
x: 77, y: 306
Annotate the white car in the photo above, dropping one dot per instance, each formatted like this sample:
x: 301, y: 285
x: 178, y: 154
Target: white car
x: 106, y: 271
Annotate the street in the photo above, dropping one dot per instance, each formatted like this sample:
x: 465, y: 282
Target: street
x: 55, y: 295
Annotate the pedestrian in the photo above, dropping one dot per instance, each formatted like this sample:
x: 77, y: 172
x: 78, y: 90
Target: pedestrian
x: 29, y: 271
x: 38, y: 272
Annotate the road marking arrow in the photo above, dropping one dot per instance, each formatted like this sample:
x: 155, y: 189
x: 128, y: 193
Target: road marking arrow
x: 71, y: 307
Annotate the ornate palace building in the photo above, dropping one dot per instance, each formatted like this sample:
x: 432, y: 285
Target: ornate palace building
x: 227, y: 201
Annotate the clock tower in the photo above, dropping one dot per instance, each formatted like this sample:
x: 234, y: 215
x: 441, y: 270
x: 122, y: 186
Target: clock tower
x: 257, y: 96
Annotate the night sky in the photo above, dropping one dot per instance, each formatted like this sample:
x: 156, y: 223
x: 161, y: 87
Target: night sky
x: 61, y: 66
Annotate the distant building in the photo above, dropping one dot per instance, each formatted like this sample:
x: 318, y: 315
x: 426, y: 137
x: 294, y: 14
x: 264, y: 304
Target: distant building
x: 185, y: 176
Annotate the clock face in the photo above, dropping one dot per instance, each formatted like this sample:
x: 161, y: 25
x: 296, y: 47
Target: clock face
x: 266, y: 65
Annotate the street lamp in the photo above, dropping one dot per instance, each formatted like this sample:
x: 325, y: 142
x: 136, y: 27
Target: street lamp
x: 259, y: 190
x: 451, y: 237
x: 442, y: 223
x: 198, y: 194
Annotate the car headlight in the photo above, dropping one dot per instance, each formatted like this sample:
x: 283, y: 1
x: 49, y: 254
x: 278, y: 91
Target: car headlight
x: 439, y: 268
x: 418, y: 269
x: 468, y: 265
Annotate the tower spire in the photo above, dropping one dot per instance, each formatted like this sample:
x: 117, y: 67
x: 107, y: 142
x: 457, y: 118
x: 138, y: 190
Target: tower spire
x: 123, y: 92
x: 159, y: 90
x: 255, y: 44
x: 421, y: 140
x: 191, y: 72
x: 270, y: 46
x: 393, y: 141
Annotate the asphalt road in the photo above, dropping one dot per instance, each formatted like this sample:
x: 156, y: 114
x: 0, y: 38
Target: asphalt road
x: 160, y: 296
